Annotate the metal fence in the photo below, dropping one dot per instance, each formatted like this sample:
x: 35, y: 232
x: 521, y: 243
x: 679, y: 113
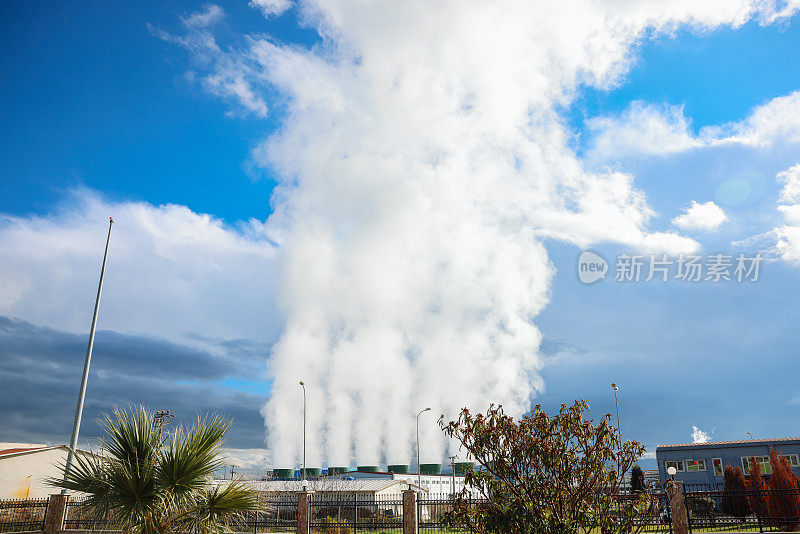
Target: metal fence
x: 76, y: 516
x: 709, y: 509
x: 433, y: 513
x: 712, y: 509
x: 276, y: 515
x: 352, y: 513
x: 23, y: 514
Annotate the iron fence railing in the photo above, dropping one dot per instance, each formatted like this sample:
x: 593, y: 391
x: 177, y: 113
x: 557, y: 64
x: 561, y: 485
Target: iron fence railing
x: 77, y: 517
x: 434, y: 513
x: 276, y: 515
x: 351, y: 513
x: 714, y: 509
x: 709, y: 509
x: 22, y: 514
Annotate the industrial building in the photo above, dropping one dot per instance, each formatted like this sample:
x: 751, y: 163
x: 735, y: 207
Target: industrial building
x: 431, y: 479
x: 25, y: 467
x: 704, y: 463
x: 362, y: 489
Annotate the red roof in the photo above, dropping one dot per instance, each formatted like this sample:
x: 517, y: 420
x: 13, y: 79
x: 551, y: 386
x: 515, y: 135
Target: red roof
x: 733, y: 442
x: 12, y: 451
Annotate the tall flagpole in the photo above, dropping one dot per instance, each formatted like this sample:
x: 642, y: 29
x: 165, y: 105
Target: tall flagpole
x: 73, y: 442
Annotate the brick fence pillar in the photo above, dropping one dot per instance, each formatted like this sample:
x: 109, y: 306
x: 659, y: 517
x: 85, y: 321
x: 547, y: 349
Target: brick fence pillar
x: 677, y: 506
x: 304, y: 512
x: 54, y: 516
x: 410, y: 519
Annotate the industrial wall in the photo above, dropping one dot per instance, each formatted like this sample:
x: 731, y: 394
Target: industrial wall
x: 22, y: 475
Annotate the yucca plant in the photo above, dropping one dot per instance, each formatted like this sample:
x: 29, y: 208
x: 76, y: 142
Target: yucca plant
x: 149, y: 480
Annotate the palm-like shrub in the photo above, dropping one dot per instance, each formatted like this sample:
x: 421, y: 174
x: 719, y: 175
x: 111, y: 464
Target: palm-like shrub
x: 152, y: 481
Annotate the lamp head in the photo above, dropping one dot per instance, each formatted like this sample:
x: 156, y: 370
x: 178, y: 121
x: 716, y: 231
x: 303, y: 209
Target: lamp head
x: 301, y: 383
x: 427, y: 409
x: 614, y: 385
x: 671, y: 471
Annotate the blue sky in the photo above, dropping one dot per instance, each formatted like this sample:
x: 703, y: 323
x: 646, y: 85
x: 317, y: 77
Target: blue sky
x: 101, y: 106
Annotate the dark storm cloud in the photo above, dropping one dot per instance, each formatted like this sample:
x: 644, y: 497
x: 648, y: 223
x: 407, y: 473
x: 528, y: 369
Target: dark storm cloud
x: 40, y: 370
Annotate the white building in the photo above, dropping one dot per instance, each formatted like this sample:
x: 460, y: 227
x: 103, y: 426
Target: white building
x: 441, y: 484
x: 24, y: 468
x: 329, y: 487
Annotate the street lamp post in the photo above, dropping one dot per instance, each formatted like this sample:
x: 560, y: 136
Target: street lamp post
x: 616, y: 403
x: 453, y: 472
x: 76, y: 426
x: 419, y: 466
x: 303, y: 474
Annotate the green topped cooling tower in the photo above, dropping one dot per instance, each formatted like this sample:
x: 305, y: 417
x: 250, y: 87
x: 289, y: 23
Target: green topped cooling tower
x: 313, y: 471
x: 461, y: 467
x: 338, y: 470
x: 283, y: 474
x: 400, y: 469
x: 368, y: 468
x: 431, y: 469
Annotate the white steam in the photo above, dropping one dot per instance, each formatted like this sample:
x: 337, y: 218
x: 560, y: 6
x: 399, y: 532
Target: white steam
x: 423, y: 158
x: 698, y: 436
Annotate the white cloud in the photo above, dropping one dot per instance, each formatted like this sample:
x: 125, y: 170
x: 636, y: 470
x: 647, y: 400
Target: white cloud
x: 783, y: 241
x: 250, y: 459
x: 698, y: 436
x: 170, y: 271
x: 422, y: 161
x: 787, y: 236
x: 647, y: 129
x: 790, y: 178
x: 203, y: 19
x: 641, y: 129
x: 776, y: 121
x: 706, y: 216
x: 271, y: 8
x: 228, y: 79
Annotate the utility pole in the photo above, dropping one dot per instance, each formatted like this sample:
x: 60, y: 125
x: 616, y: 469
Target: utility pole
x: 303, y: 473
x: 76, y: 426
x: 616, y: 403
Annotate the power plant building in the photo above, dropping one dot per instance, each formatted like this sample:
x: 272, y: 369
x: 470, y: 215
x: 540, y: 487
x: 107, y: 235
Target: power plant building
x: 431, y: 480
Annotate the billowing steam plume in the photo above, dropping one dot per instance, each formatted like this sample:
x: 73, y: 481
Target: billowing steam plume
x: 423, y: 157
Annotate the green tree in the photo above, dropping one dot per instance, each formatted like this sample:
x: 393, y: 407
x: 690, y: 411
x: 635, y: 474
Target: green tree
x: 152, y: 481
x: 734, y: 493
x: 637, y: 480
x: 543, y: 474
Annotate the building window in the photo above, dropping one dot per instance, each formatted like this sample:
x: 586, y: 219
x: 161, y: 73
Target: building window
x: 719, y: 470
x: 678, y: 465
x: 766, y: 467
x: 793, y: 460
x: 695, y: 465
